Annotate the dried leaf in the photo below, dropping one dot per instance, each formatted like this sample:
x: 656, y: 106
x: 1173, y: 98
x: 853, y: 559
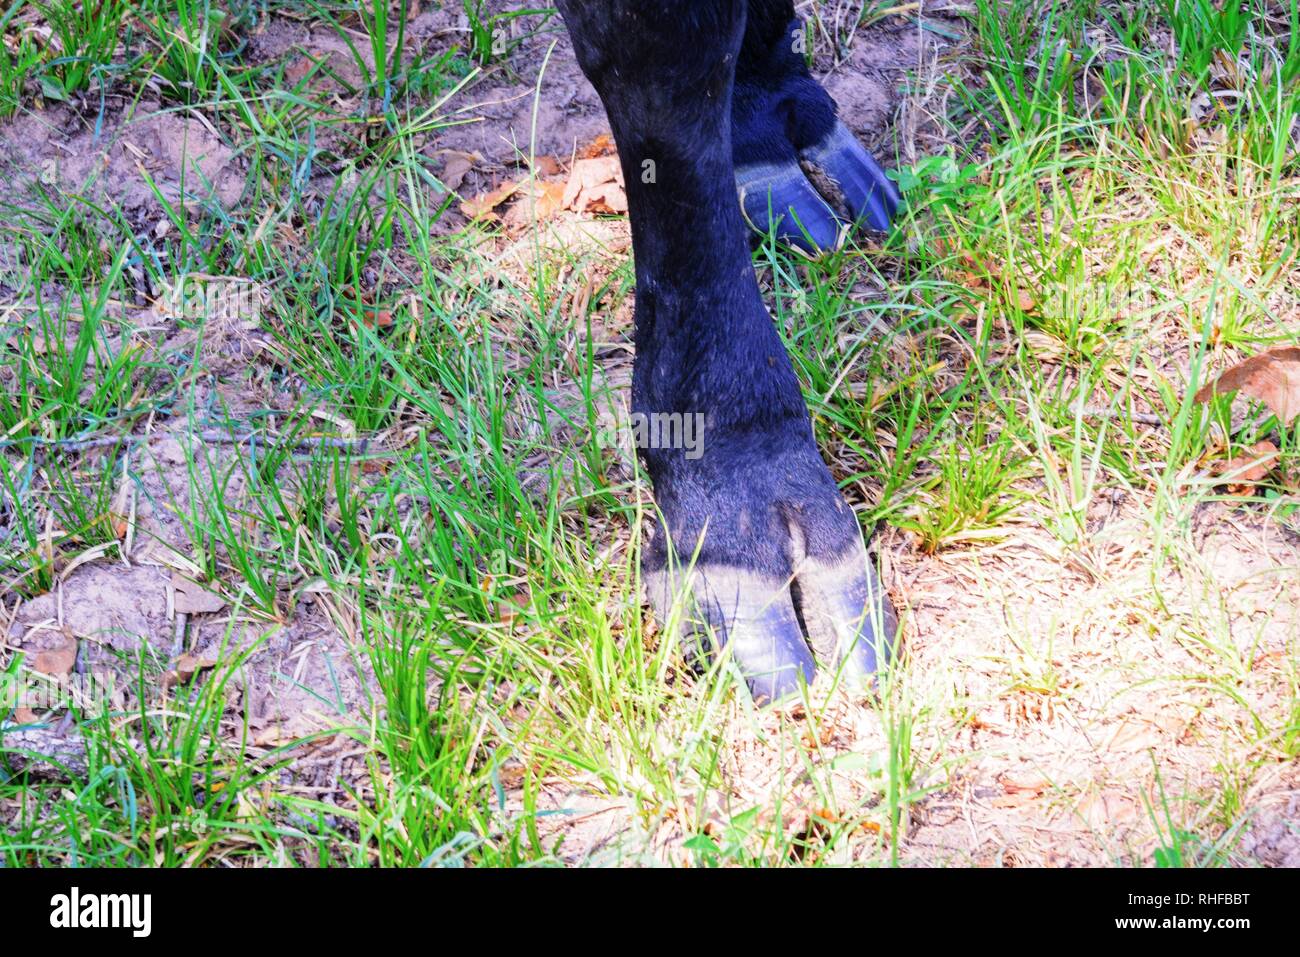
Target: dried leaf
x: 484, y: 205
x: 825, y: 734
x: 1135, y: 735
x: 602, y: 145
x: 1032, y: 781
x: 597, y: 181
x: 192, y: 598
x: 371, y: 315
x: 56, y: 661
x: 1272, y: 377
x: 826, y: 814
x: 546, y: 166
x: 297, y: 71
x: 186, y: 667
x: 1244, y: 471
x: 537, y: 204
x: 282, y: 731
x: 607, y: 198
x: 518, y: 604
x: 551, y: 200
x: 456, y: 166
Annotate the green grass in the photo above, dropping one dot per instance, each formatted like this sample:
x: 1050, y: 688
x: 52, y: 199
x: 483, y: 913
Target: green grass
x: 404, y: 451
x: 84, y: 40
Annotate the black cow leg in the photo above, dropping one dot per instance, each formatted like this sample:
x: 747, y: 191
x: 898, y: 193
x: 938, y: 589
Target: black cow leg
x: 755, y: 537
x: 797, y: 165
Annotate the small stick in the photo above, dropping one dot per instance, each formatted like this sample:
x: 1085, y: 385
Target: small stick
x: 1142, y: 418
x: 207, y: 435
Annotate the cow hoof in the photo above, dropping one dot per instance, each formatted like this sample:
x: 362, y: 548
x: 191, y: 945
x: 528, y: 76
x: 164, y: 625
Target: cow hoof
x: 854, y: 182
x: 780, y: 581
x: 780, y: 199
x: 778, y: 628
x: 812, y: 203
x: 800, y: 172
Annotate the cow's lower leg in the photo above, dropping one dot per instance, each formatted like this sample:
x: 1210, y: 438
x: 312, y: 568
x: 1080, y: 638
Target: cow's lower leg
x: 755, y: 534
x: 797, y: 166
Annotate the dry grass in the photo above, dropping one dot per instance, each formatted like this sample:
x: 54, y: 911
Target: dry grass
x: 428, y: 644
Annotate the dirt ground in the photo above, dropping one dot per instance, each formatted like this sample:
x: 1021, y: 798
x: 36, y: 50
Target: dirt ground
x: 1081, y: 696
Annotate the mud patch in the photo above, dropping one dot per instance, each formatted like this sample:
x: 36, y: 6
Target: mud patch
x: 185, y: 157
x: 111, y: 608
x: 283, y: 681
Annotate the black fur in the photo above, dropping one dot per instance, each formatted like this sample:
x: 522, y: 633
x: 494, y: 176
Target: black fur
x: 778, y: 108
x: 666, y: 71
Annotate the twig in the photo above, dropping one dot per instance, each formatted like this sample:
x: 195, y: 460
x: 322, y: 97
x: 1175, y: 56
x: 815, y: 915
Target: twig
x: 310, y: 442
x: 1142, y: 418
x: 69, y: 445
x: 207, y: 435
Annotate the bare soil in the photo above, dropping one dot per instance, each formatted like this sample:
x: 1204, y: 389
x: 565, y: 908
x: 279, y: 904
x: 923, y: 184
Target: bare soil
x: 1055, y: 766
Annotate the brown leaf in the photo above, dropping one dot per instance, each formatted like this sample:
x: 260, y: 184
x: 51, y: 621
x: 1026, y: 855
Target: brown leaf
x: 186, y: 667
x: 1135, y: 734
x: 825, y: 734
x: 483, y: 206
x: 1272, y: 377
x: 546, y: 166
x: 597, y: 181
x: 1033, y: 781
x: 288, y: 730
x: 456, y: 166
x: 1244, y: 471
x: 54, y: 662
x: 551, y: 199
x: 1022, y: 787
x: 607, y: 198
x: 518, y: 604
x: 537, y: 204
x: 602, y: 145
x: 826, y: 814
x: 57, y: 661
x: 192, y: 598
x: 297, y: 71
